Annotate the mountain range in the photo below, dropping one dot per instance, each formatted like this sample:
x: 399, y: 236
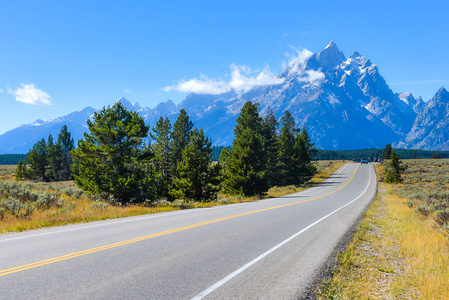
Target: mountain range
x: 343, y: 102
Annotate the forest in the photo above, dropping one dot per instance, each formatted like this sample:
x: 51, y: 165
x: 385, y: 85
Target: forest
x: 124, y: 161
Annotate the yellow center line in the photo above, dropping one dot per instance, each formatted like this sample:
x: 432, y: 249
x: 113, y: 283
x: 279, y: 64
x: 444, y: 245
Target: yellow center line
x: 147, y: 237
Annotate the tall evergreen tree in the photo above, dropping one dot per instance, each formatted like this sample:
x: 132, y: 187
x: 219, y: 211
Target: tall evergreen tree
x: 245, y: 169
x: 109, y: 156
x: 287, y: 173
x: 65, y: 144
x: 304, y: 153
x: 386, y: 153
x: 180, y: 138
x: 394, y: 169
x: 20, y: 174
x: 54, y: 159
x: 197, y: 178
x: 223, y: 160
x: 270, y: 128
x: 37, y: 159
x: 163, y: 156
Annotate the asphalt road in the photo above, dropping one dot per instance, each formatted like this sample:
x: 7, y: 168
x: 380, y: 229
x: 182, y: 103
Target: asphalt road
x: 268, y: 249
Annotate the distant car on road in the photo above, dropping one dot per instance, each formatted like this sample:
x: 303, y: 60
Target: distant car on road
x: 364, y: 160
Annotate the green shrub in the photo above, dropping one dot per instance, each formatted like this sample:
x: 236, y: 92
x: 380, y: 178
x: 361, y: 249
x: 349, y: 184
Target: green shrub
x: 17, y: 208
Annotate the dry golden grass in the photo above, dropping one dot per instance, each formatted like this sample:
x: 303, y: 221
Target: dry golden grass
x: 7, y: 172
x: 72, y: 209
x: 425, y: 250
x: 396, y: 253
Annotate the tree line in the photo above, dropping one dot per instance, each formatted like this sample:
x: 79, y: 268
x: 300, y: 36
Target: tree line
x: 12, y: 159
x: 356, y: 155
x: 125, y: 161
x: 47, y: 160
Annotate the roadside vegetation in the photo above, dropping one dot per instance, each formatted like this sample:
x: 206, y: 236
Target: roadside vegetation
x: 400, y: 249
x: 122, y: 167
x: 29, y: 205
x: 356, y: 155
x: 121, y: 161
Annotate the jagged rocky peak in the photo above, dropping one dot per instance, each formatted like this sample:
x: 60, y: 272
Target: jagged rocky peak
x: 331, y: 56
x: 408, y: 98
x: 442, y: 94
x: 358, y: 63
x: 128, y: 105
x: 165, y: 108
x: 38, y: 122
x: 440, y: 98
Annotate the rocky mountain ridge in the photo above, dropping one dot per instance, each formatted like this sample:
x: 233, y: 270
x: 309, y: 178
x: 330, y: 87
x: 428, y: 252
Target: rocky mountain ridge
x: 343, y: 102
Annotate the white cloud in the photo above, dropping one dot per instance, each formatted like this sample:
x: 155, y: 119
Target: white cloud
x: 297, y: 66
x: 127, y: 91
x: 203, y: 85
x: 242, y: 80
x: 29, y: 94
x: 296, y: 62
x: 1, y: 91
x: 312, y: 76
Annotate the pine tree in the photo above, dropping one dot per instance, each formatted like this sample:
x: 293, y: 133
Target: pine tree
x: 65, y: 144
x: 19, y: 171
x: 180, y: 138
x: 37, y: 159
x: 163, y: 156
x: 271, y: 147
x: 395, y: 169
x: 386, y: 153
x: 109, y: 157
x: 287, y: 168
x: 223, y: 160
x: 305, y: 152
x: 197, y: 178
x: 54, y: 159
x: 150, y: 181
x: 245, y: 169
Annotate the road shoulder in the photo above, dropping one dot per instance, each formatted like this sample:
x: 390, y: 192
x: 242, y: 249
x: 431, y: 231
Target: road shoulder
x: 395, y: 253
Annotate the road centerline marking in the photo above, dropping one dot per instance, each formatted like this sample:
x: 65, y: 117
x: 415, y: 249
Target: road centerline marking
x: 147, y: 237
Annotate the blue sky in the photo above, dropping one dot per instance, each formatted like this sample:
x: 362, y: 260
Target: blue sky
x: 60, y: 56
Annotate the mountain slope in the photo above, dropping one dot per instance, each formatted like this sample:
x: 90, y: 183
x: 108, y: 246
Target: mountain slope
x: 22, y: 138
x: 344, y: 103
x: 430, y: 130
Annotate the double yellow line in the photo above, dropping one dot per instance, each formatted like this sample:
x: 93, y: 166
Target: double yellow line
x: 147, y: 237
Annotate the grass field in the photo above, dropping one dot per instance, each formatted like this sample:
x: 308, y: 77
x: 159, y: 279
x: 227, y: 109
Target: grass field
x: 28, y: 205
x: 400, y: 249
x: 426, y: 188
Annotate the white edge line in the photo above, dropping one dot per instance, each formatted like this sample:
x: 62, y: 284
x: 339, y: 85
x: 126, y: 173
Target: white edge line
x: 246, y: 266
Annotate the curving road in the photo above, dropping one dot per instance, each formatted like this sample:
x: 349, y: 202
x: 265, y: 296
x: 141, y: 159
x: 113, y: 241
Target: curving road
x: 268, y: 249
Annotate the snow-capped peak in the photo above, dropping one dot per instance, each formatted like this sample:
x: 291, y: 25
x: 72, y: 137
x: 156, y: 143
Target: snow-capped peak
x: 331, y: 56
x: 441, y: 96
x: 331, y: 45
x: 39, y: 122
x: 128, y: 105
x: 407, y: 97
x: 358, y: 63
